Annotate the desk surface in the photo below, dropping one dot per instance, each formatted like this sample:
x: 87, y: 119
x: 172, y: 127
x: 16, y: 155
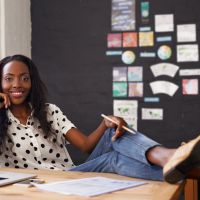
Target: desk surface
x: 154, y: 190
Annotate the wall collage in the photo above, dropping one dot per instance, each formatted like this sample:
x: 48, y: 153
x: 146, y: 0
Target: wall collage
x: 149, y: 41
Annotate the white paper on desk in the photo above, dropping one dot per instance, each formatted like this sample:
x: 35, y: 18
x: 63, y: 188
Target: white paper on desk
x: 88, y: 186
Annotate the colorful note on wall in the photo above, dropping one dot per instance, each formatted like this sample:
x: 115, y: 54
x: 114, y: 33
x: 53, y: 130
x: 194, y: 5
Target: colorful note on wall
x: 114, y: 40
x: 129, y: 39
x: 190, y: 86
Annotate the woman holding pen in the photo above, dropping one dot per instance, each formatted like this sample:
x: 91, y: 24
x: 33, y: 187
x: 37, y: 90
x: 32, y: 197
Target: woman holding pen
x: 33, y: 134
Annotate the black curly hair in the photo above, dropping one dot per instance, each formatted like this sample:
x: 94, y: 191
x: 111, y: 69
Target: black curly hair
x: 37, y: 97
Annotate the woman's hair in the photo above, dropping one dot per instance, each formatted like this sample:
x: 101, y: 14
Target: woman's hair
x: 37, y: 97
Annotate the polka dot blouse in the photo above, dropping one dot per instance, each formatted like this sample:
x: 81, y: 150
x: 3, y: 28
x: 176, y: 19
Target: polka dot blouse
x: 27, y: 147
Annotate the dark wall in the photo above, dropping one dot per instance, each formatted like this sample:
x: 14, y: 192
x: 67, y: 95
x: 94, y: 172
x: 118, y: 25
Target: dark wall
x: 69, y: 44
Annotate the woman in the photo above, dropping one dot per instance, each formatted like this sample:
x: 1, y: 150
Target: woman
x: 33, y: 133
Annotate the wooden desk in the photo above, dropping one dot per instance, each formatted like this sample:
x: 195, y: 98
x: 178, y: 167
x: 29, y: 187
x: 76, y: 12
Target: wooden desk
x: 191, y: 190
x: 154, y: 190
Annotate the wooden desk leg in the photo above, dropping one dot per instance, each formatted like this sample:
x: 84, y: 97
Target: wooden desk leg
x: 191, y: 189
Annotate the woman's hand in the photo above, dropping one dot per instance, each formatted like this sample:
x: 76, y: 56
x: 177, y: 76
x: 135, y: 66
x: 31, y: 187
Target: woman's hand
x: 119, y: 122
x: 4, y: 100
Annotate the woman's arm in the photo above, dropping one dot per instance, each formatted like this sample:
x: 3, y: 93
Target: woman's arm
x: 87, y: 143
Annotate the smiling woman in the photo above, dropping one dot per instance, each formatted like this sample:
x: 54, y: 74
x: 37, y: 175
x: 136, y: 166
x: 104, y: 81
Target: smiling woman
x: 33, y: 133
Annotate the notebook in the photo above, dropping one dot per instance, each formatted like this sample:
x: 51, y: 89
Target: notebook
x: 13, y: 177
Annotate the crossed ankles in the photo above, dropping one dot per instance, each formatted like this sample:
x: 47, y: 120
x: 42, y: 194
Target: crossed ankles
x: 185, y: 163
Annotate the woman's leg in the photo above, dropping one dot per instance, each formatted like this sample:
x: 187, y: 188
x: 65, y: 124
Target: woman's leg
x: 137, y: 146
x: 125, y: 156
x: 113, y: 162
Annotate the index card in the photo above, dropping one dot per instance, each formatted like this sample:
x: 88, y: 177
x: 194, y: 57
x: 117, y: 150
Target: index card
x: 186, y: 33
x: 187, y: 53
x: 152, y: 114
x: 164, y: 23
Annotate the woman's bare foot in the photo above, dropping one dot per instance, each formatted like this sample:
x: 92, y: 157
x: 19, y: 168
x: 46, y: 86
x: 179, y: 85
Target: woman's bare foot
x: 185, y: 163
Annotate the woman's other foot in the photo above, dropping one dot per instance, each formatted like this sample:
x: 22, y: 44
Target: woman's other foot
x: 185, y: 163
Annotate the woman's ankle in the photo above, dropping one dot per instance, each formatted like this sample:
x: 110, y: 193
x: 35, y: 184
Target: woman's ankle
x: 159, y: 155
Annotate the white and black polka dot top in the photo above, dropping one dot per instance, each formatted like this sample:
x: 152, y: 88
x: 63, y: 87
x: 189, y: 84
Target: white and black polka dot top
x: 27, y: 147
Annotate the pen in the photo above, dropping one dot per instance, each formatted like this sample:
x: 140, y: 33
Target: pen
x: 124, y: 127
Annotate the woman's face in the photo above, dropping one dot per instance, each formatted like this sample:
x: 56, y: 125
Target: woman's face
x: 16, y: 82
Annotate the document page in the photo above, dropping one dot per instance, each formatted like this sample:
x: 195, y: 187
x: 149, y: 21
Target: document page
x: 88, y: 186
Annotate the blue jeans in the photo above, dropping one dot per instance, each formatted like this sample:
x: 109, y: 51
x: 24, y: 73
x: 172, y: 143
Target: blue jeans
x: 125, y: 156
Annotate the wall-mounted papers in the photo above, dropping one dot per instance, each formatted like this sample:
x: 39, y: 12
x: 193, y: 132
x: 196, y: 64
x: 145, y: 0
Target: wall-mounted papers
x: 190, y: 86
x: 135, y: 89
x: 119, y: 89
x: 186, y: 33
x: 163, y: 87
x: 145, y: 11
x: 147, y: 54
x: 130, y: 39
x: 146, y: 39
x: 145, y: 28
x: 164, y: 23
x: 119, y: 73
x: 128, y: 110
x: 114, y: 40
x: 123, y: 15
x: 151, y: 99
x: 152, y: 114
x: 135, y: 73
x: 113, y: 53
x: 164, y: 39
x: 166, y: 69
x: 187, y: 53
x: 189, y: 72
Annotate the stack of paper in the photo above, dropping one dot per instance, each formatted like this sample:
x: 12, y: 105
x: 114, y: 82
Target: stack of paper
x: 88, y: 186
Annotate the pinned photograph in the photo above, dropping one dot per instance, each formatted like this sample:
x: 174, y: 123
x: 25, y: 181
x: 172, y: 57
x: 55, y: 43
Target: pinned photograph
x: 190, y: 86
x: 119, y: 89
x: 114, y: 40
x: 119, y: 73
x: 135, y: 73
x: 146, y: 39
x: 130, y: 39
x: 135, y: 90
